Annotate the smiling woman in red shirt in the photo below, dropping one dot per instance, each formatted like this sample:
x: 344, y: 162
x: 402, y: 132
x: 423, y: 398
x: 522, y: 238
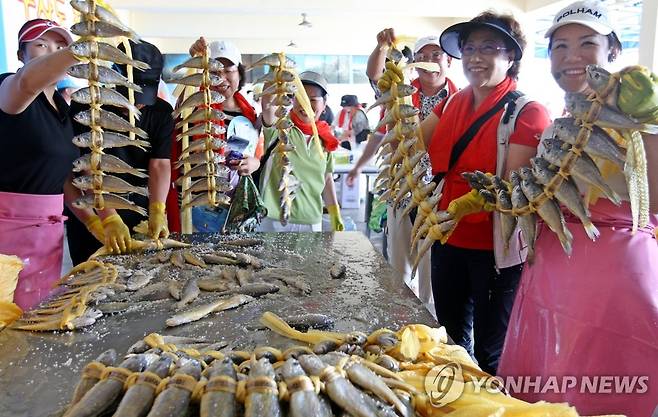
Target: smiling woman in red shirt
x: 473, y: 288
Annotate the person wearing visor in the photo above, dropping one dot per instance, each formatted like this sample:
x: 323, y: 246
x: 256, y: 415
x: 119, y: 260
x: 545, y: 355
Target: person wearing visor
x: 592, y: 314
x: 35, y: 132
x: 432, y: 88
x: 313, y: 168
x: 156, y: 120
x: 241, y: 124
x: 352, y: 124
x: 473, y: 284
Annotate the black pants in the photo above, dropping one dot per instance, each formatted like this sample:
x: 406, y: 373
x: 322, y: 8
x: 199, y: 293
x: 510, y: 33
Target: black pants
x: 473, y: 301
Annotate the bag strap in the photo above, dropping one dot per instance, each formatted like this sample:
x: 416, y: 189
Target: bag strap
x: 263, y: 160
x: 461, y: 145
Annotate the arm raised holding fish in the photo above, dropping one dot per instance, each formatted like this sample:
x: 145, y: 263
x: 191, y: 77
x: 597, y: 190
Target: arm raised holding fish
x: 35, y: 134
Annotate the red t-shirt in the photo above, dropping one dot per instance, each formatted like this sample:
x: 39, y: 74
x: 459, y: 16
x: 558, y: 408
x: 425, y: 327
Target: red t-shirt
x: 475, y: 231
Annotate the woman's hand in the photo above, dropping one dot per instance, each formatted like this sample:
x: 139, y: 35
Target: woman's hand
x: 246, y: 165
x: 198, y: 46
x: 385, y: 38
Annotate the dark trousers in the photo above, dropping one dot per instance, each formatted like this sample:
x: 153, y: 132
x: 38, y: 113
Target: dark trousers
x: 473, y: 301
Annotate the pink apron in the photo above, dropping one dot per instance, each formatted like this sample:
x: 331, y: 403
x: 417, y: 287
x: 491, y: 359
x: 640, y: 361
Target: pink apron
x: 32, y: 228
x: 592, y: 318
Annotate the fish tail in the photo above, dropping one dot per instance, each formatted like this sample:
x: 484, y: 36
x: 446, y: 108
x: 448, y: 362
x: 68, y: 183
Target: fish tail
x: 612, y: 195
x: 649, y: 128
x: 139, y: 173
x: 137, y: 209
x: 143, y: 66
x: 139, y: 132
x: 134, y: 87
x: 591, y: 230
x: 566, y: 238
x: 141, y: 191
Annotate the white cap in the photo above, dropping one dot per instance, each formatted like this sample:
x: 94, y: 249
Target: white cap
x: 426, y: 40
x: 590, y: 13
x: 225, y: 49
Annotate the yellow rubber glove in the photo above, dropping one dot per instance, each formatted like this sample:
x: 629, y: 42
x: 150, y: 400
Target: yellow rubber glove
x: 95, y: 227
x: 336, y: 221
x: 469, y: 203
x: 117, y: 234
x: 158, y: 221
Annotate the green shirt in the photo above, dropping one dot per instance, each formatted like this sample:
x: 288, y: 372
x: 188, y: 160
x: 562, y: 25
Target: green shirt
x: 308, y: 165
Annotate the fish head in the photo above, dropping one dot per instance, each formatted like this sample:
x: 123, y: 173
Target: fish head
x: 498, y: 183
x: 515, y: 178
x: 526, y: 173
x: 471, y: 178
x: 552, y: 143
x: 80, y: 181
x: 80, y: 5
x: 488, y: 196
x: 407, y: 89
x: 215, y: 79
x: 538, y: 163
x: 78, y: 141
x: 407, y: 110
x: 597, y: 77
x: 215, y: 65
x: 78, y: 165
x: 79, y: 47
x: 216, y: 97
x: 80, y: 203
x: 395, y: 55
x: 75, y: 70
x: 563, y: 124
x: 483, y: 178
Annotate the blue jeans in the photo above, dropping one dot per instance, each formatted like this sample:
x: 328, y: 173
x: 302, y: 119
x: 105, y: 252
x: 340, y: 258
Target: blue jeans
x: 208, y: 220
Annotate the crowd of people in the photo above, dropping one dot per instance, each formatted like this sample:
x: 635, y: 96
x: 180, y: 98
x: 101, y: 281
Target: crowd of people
x: 591, y: 313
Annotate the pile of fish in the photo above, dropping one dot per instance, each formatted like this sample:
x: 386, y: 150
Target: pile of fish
x: 191, y: 282
x: 595, y: 135
x: 70, y: 308
x: 202, y: 158
x: 381, y: 374
x: 106, y: 128
x: 280, y: 81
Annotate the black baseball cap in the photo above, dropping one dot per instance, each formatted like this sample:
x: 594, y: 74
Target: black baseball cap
x: 452, y: 38
x: 349, y: 100
x: 149, y: 80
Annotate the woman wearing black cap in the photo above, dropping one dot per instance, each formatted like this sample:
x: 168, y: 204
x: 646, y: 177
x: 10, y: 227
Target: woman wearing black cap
x: 474, y: 285
x: 36, y: 157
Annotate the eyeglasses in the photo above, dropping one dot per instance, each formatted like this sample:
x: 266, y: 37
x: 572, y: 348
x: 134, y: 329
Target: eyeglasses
x: 484, y: 49
x: 228, y: 70
x: 434, y: 56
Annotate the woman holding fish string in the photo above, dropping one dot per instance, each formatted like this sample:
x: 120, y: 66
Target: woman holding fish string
x: 594, y: 313
x: 240, y: 120
x: 473, y: 284
x: 149, y: 155
x: 36, y: 132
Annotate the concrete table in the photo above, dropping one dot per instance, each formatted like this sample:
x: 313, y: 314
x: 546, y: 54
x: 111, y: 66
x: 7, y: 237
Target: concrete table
x: 38, y: 371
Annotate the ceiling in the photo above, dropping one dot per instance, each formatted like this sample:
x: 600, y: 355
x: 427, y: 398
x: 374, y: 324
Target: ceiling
x: 338, y: 26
